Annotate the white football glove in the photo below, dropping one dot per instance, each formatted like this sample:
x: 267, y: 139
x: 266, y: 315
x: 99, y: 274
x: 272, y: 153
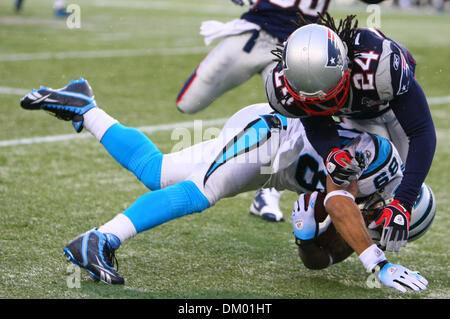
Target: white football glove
x: 304, y: 222
x: 400, y: 278
x: 248, y: 3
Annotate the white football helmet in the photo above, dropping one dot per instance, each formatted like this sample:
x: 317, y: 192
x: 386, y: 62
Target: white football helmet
x: 315, y: 69
x: 422, y: 214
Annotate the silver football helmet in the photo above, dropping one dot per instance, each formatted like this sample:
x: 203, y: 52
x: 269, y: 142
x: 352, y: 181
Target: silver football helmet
x: 315, y: 67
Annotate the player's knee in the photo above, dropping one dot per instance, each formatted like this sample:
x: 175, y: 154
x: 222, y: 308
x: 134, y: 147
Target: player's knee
x: 190, y: 107
x: 185, y: 108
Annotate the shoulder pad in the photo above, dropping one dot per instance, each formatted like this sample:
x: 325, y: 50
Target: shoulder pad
x: 395, y: 71
x: 402, y: 68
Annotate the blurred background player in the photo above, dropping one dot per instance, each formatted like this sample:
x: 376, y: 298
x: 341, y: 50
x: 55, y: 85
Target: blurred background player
x: 245, y: 50
x: 59, y: 7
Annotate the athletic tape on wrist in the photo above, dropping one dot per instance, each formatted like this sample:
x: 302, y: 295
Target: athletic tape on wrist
x: 339, y: 192
x: 371, y: 257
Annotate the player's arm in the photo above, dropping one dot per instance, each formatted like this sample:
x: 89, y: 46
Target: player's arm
x: 346, y: 216
x: 322, y: 133
x: 319, y: 245
x: 412, y: 112
x: 317, y: 256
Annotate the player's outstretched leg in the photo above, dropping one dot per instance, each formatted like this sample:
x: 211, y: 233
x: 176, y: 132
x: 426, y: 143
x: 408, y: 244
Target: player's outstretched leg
x: 68, y: 103
x: 94, y: 251
x: 266, y: 205
x: 127, y: 145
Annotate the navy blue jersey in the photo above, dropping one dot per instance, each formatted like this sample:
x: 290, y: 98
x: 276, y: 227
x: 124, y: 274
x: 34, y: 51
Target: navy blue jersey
x: 381, y: 70
x: 381, y: 79
x: 277, y: 17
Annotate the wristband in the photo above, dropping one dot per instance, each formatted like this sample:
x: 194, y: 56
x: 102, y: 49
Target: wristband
x: 371, y: 257
x: 339, y: 192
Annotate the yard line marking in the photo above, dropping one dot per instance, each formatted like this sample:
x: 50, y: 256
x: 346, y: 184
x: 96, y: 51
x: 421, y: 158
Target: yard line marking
x: 100, y: 54
x: 13, y: 91
x: 146, y: 129
x: 438, y: 100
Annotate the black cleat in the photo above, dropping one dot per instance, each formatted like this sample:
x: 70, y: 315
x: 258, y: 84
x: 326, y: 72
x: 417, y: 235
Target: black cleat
x: 93, y: 252
x: 68, y: 103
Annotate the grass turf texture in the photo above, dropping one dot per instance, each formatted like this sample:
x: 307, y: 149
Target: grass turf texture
x: 51, y: 192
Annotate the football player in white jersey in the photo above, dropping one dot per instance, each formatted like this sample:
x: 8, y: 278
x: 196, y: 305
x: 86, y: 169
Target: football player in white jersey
x: 256, y: 147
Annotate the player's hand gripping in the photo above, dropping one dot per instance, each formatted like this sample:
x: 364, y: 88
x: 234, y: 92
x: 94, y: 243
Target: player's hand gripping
x: 394, y: 219
x: 304, y: 221
x: 399, y: 277
x: 342, y: 167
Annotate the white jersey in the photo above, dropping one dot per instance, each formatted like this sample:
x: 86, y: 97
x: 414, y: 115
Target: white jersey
x: 260, y: 148
x: 298, y: 167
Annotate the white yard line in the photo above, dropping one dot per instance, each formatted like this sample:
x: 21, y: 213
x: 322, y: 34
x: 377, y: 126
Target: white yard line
x: 100, y: 54
x: 438, y: 100
x: 147, y: 129
x: 13, y: 91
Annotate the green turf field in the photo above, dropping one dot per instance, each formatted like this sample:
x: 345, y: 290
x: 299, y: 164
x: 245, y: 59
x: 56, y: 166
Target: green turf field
x: 136, y: 56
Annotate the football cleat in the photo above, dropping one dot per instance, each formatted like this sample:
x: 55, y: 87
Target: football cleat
x: 61, y: 13
x: 266, y: 205
x: 68, y: 103
x: 93, y: 252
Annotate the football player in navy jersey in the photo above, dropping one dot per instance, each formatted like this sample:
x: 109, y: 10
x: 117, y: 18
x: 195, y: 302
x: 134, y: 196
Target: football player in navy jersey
x: 368, y: 80
x: 243, y: 51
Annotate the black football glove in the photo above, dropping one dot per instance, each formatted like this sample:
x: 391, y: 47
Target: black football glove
x: 394, y: 219
x: 342, y: 167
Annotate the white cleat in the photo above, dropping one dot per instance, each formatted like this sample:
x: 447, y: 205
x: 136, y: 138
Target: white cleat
x: 266, y: 205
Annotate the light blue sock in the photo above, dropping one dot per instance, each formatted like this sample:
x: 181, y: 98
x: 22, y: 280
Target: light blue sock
x: 136, y: 152
x: 157, y: 207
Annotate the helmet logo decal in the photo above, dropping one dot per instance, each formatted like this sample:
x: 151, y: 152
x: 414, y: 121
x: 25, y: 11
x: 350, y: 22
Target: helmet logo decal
x: 334, y: 54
